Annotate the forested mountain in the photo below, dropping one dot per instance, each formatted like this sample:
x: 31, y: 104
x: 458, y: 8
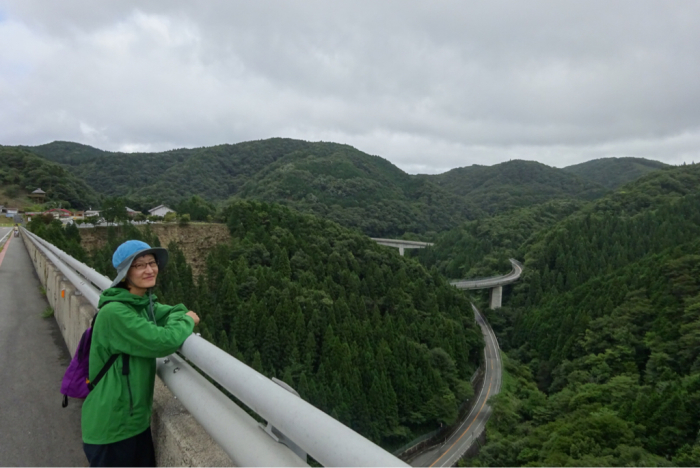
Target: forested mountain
x: 368, y: 336
x: 354, y: 189
x: 66, y: 152
x: 515, y: 184
x: 482, y: 247
x: 328, y: 179
x: 21, y: 172
x: 614, y: 172
x: 214, y: 173
x: 603, y: 335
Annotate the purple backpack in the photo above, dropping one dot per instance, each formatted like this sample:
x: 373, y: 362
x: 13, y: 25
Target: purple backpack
x: 76, y: 381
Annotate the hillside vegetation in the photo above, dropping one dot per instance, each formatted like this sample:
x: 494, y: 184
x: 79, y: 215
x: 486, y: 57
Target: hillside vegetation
x: 603, y: 332
x: 368, y: 336
x: 615, y: 172
x: 515, y: 184
x: 354, y: 189
x: 214, y: 173
x: 482, y: 247
x: 332, y: 180
x: 21, y: 172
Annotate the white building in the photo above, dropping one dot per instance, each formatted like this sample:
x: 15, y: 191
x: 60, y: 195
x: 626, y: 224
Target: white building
x: 160, y: 210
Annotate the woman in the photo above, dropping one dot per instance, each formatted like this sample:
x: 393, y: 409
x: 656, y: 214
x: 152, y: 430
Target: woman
x: 116, y: 417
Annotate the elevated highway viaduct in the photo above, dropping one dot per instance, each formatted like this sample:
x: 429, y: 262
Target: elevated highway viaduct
x: 494, y: 283
x: 401, y: 244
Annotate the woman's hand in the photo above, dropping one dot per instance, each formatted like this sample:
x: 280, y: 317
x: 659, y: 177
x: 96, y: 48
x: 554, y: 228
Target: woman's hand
x: 194, y: 316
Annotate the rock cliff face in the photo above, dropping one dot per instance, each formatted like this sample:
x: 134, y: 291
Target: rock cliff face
x: 195, y: 240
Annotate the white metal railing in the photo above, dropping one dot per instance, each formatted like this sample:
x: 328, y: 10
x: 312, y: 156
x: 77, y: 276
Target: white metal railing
x: 301, y: 427
x: 5, y: 237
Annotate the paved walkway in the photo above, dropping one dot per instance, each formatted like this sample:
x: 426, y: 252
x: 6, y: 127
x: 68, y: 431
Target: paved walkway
x: 34, y: 429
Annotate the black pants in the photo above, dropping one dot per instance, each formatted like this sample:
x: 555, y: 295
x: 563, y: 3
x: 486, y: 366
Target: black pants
x: 134, y: 451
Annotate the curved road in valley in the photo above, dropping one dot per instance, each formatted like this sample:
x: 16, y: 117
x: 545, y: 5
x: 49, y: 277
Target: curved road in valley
x: 449, y: 452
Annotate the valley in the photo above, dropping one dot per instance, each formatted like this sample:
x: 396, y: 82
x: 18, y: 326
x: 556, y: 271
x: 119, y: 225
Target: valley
x: 600, y: 335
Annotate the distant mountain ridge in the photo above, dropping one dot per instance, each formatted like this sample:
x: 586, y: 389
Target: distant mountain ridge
x: 515, y: 184
x: 614, y: 172
x: 329, y: 179
x: 21, y: 172
x: 332, y: 180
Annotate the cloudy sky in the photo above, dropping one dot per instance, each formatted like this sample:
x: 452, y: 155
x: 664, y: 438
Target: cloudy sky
x: 429, y: 85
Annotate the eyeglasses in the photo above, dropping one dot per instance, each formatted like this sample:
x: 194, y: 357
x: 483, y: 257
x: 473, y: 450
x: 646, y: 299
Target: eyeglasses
x: 142, y: 266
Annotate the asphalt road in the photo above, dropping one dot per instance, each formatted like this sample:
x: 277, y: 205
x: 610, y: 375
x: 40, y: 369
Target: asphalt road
x: 448, y: 453
x: 34, y: 429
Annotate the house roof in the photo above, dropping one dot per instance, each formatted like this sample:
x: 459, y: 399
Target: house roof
x: 39, y: 192
x: 64, y: 212
x: 129, y: 210
x: 159, y: 206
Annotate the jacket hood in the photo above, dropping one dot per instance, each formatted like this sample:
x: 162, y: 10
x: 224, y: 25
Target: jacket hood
x: 123, y: 296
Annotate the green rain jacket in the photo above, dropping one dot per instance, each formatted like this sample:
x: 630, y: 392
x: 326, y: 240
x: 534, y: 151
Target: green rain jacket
x: 124, y: 326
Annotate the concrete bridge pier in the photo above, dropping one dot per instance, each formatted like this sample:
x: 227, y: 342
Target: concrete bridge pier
x: 401, y: 251
x: 495, y: 297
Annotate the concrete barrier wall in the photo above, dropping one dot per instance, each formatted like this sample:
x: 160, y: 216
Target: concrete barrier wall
x: 179, y: 439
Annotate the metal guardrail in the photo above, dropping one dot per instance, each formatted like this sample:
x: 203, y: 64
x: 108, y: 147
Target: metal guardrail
x: 5, y: 237
x: 291, y: 421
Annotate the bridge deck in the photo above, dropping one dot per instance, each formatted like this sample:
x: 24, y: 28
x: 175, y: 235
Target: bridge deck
x: 34, y: 429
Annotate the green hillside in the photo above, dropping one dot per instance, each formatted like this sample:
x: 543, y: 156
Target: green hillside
x: 214, y: 173
x: 368, y: 336
x: 332, y: 180
x: 66, y: 152
x: 615, y: 172
x: 354, y: 189
x: 603, y: 337
x: 482, y: 247
x: 21, y: 172
x: 515, y: 184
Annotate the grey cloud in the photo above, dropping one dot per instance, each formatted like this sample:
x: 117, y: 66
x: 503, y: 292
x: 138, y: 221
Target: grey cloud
x: 428, y: 85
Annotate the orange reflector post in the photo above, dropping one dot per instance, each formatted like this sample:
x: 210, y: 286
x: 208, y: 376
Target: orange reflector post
x: 63, y: 293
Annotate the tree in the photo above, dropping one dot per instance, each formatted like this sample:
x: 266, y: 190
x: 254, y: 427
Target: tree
x: 114, y: 210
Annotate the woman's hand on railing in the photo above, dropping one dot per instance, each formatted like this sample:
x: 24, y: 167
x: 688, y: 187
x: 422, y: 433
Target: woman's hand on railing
x: 194, y: 316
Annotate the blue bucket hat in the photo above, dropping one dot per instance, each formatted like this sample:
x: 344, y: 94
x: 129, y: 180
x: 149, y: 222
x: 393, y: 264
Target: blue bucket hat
x: 130, y: 250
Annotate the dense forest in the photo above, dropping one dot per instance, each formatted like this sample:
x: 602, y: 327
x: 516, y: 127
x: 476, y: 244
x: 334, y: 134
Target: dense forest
x: 515, y: 184
x: 334, y: 181
x: 328, y: 179
x: 603, y: 335
x: 615, y: 172
x: 368, y: 336
x: 482, y: 247
x: 21, y: 172
x: 354, y: 189
x: 214, y: 173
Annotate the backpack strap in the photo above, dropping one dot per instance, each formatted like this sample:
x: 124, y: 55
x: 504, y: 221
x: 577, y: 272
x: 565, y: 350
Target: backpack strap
x: 103, y: 371
x: 125, y: 371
